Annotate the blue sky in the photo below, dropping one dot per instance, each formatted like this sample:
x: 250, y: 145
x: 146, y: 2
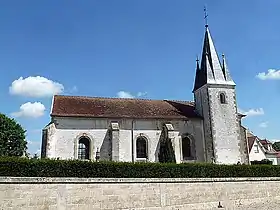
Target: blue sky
x: 144, y: 48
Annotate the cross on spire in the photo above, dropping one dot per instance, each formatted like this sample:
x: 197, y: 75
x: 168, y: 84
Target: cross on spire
x: 205, y: 17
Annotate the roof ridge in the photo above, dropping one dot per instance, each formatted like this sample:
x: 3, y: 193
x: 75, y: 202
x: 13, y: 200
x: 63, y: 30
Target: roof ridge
x: 139, y: 99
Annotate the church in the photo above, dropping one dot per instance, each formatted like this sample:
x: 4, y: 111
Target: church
x: 207, y: 129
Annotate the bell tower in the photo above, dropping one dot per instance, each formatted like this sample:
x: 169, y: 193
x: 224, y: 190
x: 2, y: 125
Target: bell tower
x: 215, y: 100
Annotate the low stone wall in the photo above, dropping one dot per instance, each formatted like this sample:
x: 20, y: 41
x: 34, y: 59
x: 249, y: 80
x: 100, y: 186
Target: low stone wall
x: 156, y: 194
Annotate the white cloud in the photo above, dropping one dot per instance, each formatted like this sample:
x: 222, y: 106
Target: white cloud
x: 74, y: 89
x: 30, y: 110
x: 140, y: 94
x: 252, y: 112
x: 275, y: 140
x: 272, y: 74
x: 263, y: 124
x: 36, y: 87
x: 125, y: 94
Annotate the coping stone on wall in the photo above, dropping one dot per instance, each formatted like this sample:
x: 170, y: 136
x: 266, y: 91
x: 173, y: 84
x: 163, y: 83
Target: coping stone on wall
x: 73, y: 180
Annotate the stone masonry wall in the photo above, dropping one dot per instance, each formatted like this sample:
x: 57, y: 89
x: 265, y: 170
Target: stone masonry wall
x: 202, y: 107
x: 65, y: 133
x: 156, y: 194
x: 225, y: 126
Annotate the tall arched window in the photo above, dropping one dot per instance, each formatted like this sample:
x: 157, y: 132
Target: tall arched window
x: 83, y: 149
x: 141, y: 147
x: 186, y: 148
x: 222, y: 98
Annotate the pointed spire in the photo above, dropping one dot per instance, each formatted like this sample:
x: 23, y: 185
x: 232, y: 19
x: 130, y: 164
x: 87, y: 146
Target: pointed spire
x: 211, y: 71
x: 226, y: 71
x: 213, y: 56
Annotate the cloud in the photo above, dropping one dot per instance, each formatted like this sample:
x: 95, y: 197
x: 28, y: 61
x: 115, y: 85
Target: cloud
x: 74, y: 89
x: 263, y: 124
x: 30, y: 110
x: 125, y: 94
x: 252, y: 112
x: 71, y: 90
x: 272, y: 74
x: 140, y: 94
x: 37, y: 87
x: 274, y: 140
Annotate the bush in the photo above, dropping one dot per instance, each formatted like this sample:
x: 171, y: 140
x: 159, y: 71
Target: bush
x: 23, y: 167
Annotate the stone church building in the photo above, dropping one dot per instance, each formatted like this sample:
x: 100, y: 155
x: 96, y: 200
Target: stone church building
x: 207, y: 129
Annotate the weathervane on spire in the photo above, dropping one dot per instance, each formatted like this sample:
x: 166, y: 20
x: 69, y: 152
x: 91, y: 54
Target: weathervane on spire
x: 205, y: 16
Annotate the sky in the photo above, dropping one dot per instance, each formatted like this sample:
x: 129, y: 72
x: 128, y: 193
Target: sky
x: 135, y: 48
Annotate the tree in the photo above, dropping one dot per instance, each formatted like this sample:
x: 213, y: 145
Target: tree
x: 276, y: 146
x: 12, y: 137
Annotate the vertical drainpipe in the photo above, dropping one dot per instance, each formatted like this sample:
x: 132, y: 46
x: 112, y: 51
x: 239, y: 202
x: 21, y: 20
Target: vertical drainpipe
x: 132, y: 139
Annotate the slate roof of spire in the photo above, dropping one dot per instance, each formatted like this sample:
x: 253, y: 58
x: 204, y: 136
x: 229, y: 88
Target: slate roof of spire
x: 211, y: 71
x: 81, y: 106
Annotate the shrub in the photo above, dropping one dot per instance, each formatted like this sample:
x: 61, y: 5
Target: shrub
x: 22, y: 167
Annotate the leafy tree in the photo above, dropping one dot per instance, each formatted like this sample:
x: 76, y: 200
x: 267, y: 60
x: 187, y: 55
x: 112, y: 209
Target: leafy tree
x: 276, y: 146
x: 12, y: 137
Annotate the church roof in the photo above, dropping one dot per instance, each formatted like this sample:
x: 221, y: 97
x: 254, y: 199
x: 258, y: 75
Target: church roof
x: 211, y: 71
x: 81, y: 106
x: 265, y: 142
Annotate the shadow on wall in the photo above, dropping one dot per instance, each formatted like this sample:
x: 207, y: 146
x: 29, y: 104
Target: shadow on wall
x: 165, y: 149
x: 106, y: 147
x: 157, y: 155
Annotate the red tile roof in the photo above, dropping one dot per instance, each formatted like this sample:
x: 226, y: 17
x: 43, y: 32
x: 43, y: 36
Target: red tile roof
x: 80, y: 106
x: 265, y: 141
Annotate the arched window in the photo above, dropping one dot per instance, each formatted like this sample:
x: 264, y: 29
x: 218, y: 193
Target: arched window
x: 186, y: 148
x: 141, y: 147
x: 83, y: 149
x: 222, y: 98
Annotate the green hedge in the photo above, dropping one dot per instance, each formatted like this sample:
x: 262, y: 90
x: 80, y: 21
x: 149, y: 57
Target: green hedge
x: 22, y: 167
